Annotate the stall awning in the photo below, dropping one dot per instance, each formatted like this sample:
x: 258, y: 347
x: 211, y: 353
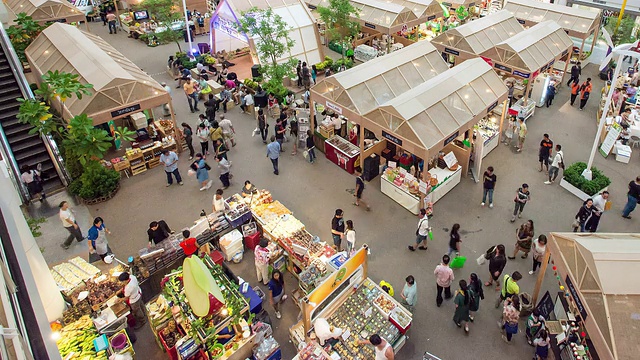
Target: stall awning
x: 431, y: 112
x: 381, y: 15
x: 580, y: 23
x: 477, y: 36
x: 600, y: 265
x: 244, y: 5
x: 424, y: 9
x: 364, y: 87
x: 117, y: 82
x: 43, y: 11
x: 533, y: 48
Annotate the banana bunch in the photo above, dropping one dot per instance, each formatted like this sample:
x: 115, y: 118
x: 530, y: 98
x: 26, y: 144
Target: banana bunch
x: 76, y: 341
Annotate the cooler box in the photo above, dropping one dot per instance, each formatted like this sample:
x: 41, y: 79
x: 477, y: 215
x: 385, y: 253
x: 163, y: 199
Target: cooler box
x: 231, y: 244
x: 252, y: 241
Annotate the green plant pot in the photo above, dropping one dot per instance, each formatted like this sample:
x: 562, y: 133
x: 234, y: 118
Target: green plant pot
x: 573, y: 181
x: 219, y: 347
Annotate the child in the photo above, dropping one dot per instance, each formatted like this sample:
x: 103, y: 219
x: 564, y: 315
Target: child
x: 542, y: 345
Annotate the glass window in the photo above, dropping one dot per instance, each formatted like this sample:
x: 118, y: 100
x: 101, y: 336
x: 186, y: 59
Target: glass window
x: 395, y: 80
x: 380, y: 90
x: 472, y: 100
x: 362, y: 98
x: 456, y: 108
x: 411, y: 74
x: 480, y: 87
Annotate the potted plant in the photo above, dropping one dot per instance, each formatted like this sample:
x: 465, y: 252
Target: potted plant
x: 575, y: 183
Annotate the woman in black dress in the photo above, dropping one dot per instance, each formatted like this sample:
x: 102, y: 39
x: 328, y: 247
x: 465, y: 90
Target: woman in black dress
x: 497, y: 262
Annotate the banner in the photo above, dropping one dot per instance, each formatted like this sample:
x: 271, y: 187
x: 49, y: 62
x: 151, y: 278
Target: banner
x: 347, y: 269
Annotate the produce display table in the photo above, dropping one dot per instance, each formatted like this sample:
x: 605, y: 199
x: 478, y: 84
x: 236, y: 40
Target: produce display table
x: 401, y: 196
x: 448, y: 179
x: 342, y: 153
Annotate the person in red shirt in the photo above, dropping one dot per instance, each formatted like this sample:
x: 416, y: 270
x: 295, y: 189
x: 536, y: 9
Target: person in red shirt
x: 585, y: 91
x: 189, y: 244
x: 575, y: 90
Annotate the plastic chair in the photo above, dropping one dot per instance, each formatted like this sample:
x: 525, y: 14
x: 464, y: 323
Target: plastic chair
x: 634, y: 141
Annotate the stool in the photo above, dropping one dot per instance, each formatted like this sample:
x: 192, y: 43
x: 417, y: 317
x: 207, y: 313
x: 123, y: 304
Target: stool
x: 634, y: 141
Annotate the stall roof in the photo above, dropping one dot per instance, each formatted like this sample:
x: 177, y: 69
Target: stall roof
x: 532, y: 48
x: 422, y: 8
x: 43, y: 11
x: 480, y: 35
x: 364, y: 87
x: 383, y: 14
x: 117, y: 82
x: 246, y: 5
x: 575, y: 20
x: 439, y: 107
x: 598, y: 263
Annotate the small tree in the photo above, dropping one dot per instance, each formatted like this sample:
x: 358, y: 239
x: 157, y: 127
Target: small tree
x: 626, y: 33
x: 23, y: 33
x: 165, y: 12
x: 338, y: 19
x: 271, y: 34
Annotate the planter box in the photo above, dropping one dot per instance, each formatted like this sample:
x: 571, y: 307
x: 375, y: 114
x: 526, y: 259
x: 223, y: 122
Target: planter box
x: 99, y: 199
x: 577, y: 192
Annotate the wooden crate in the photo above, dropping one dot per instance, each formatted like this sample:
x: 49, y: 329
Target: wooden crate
x: 153, y: 162
x: 326, y: 131
x: 137, y: 163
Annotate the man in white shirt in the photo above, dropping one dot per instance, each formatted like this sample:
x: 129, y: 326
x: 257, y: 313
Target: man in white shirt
x: 219, y: 205
x: 228, y: 132
x: 69, y: 222
x: 133, y: 295
x: 599, y: 203
x: 337, y: 124
x: 422, y: 232
x: 556, y: 164
x: 247, y: 103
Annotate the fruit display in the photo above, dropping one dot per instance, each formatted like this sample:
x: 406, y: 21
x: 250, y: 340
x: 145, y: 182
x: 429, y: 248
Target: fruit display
x: 267, y: 211
x: 75, y: 312
x: 314, y: 272
x: 76, y: 341
x: 304, y: 239
x: 311, y: 351
x: 384, y: 304
x: 158, y: 310
x: 170, y: 334
x: 84, y: 266
x: 102, y: 291
x: 237, y: 207
x: 400, y: 178
x: 71, y: 273
x: 263, y: 197
x: 284, y: 227
x: 400, y: 317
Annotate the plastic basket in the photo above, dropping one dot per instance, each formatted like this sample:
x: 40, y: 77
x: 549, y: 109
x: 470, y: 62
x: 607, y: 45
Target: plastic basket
x: 259, y: 292
x: 249, y: 229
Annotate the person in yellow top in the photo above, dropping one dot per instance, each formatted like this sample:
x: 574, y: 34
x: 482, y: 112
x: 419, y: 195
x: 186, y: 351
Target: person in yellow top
x: 192, y: 95
x: 386, y: 287
x: 510, y: 286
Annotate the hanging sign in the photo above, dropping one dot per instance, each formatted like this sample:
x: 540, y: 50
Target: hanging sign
x: 451, y: 138
x: 452, y: 52
x: 370, y: 26
x: 334, y: 107
x: 576, y: 298
x: 493, y: 106
x: 502, y: 67
x: 432, y: 17
x: 521, y: 74
x: 391, y: 138
x: 127, y: 110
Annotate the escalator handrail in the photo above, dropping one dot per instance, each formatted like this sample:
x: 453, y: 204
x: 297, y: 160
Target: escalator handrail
x: 49, y: 143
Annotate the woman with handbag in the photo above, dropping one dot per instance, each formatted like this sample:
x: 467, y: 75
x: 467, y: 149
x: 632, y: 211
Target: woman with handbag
x: 32, y: 179
x: 584, y: 215
x: 497, y: 262
x: 462, y: 300
x: 524, y: 239
x: 202, y: 172
x: 510, y: 317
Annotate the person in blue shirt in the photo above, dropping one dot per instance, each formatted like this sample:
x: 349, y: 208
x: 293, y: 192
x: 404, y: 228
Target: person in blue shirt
x: 273, y: 153
x: 277, y: 295
x: 170, y: 161
x: 98, y: 239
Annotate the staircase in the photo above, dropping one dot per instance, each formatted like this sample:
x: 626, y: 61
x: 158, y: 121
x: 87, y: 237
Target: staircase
x: 26, y: 149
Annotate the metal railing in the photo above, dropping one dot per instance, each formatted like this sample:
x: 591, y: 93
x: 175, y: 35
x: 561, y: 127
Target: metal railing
x: 49, y: 143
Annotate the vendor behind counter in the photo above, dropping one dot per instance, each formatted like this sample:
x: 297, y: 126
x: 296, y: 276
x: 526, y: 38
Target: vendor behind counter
x: 158, y: 231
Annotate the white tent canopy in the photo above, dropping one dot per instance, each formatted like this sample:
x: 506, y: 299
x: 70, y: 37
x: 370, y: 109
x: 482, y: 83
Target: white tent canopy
x: 533, y: 48
x: 480, y: 35
x: 442, y: 105
x: 578, y: 22
x: 43, y: 11
x: 365, y: 87
x: 424, y: 9
x: 386, y: 15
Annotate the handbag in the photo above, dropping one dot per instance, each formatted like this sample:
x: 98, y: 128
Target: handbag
x: 207, y: 167
x: 305, y: 154
x: 481, y: 260
x: 575, y: 224
x: 458, y: 262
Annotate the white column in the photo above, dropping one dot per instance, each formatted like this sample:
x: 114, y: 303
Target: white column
x: 186, y: 24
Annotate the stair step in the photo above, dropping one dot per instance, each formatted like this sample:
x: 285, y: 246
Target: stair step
x: 9, y: 112
x: 30, y: 156
x: 21, y: 128
x: 10, y: 89
x: 17, y: 138
x: 11, y: 98
x: 25, y: 145
x: 10, y: 122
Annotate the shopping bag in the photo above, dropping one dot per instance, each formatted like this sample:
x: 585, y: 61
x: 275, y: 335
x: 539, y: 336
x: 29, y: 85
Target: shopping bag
x: 458, y: 262
x: 607, y: 205
x: 481, y: 260
x: 430, y: 233
x: 305, y: 154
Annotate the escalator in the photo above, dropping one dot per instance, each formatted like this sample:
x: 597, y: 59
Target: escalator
x: 25, y: 148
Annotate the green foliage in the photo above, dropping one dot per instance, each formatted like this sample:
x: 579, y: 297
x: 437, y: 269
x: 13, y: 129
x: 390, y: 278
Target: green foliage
x: 347, y: 62
x: 328, y: 62
x: 251, y: 84
x: 124, y: 134
x: 164, y: 12
x: 85, y: 141
x: 272, y: 43
x: 34, y: 225
x: 573, y: 175
x: 170, y: 36
x: 23, y: 33
x: 277, y: 89
x: 338, y: 17
x: 36, y: 113
x: 626, y: 33
x: 96, y: 181
x: 63, y: 85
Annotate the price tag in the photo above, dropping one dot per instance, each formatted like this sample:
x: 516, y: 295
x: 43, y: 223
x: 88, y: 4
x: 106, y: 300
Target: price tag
x: 450, y: 159
x: 422, y: 187
x: 392, y: 164
x: 346, y: 334
x: 409, y: 177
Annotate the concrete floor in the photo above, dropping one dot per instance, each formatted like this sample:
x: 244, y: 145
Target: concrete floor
x: 313, y: 192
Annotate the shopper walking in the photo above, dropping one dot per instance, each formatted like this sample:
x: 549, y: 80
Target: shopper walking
x: 97, y: 236
x: 263, y: 126
x: 524, y: 239
x: 311, y: 146
x: 228, y: 131
x: 488, y: 184
x: 462, y: 301
x: 280, y: 129
x: 132, y: 294
x: 575, y: 91
x: 535, y: 323
x: 32, y: 178
x: 539, y: 250
x: 444, y: 278
x: 576, y: 71
x: 111, y: 19
x: 273, y: 153
x: 262, y: 253
x: 210, y: 108
x: 203, y: 136
x: 422, y: 232
x: 381, y: 347
x: 497, y: 262
x: 600, y: 206
x: 201, y: 168
x: 522, y: 198
x: 475, y: 287
x: 188, y: 138
x: 585, y: 91
x: 551, y: 94
x: 583, y: 215
x: 510, y: 317
x: 556, y: 165
x: 633, y: 198
x: 221, y: 149
x: 337, y: 229
x: 455, y: 242
x: 170, y: 161
x: 350, y: 234
x: 409, y: 293
x: 189, y: 88
x: 509, y: 131
x: 215, y: 134
x: 522, y: 133
x: 542, y: 344
x: 359, y: 189
x: 225, y: 169
x: 277, y: 291
x: 306, y: 76
x: 546, y: 148
x: 68, y: 219
x: 509, y: 286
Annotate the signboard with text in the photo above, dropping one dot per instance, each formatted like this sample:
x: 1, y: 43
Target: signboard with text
x: 391, y: 138
x: 451, y: 51
x: 126, y: 110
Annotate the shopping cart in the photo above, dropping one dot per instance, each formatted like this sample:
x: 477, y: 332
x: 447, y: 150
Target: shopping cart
x: 429, y: 356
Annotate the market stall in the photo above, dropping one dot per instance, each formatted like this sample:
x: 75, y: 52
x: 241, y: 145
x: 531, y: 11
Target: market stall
x: 471, y: 39
x: 527, y: 57
x: 578, y: 23
x: 427, y: 11
x: 356, y: 306
x: 435, y: 122
x: 594, y: 313
x: 354, y: 92
x: 46, y: 11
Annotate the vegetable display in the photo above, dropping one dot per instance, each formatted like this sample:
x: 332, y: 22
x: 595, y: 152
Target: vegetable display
x: 204, y: 295
x: 76, y: 341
